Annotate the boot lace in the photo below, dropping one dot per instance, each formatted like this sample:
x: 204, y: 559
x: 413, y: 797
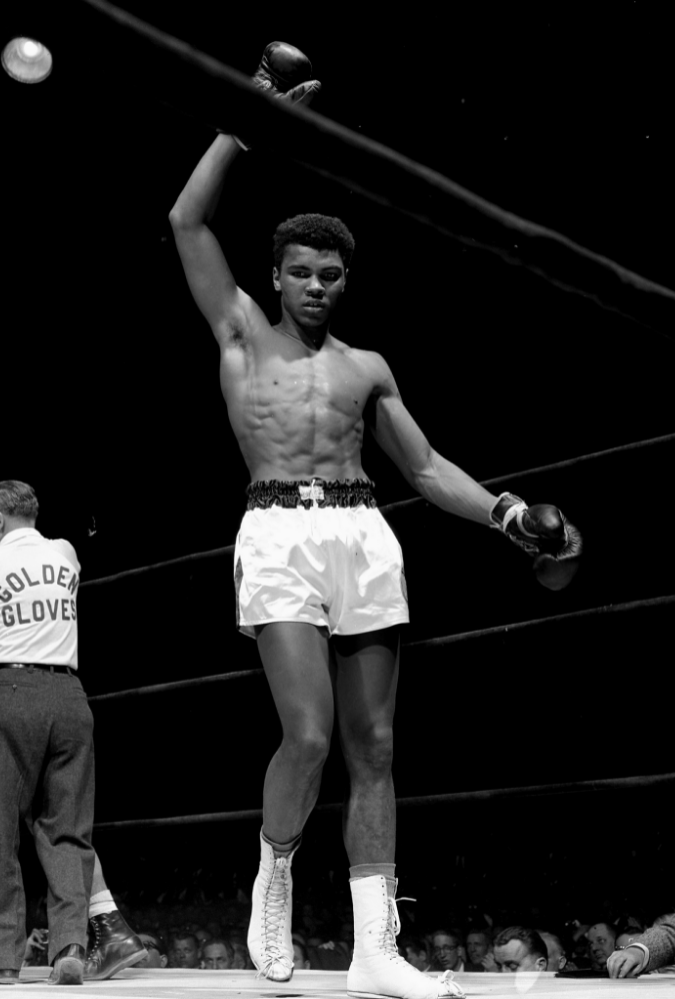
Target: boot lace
x: 96, y: 949
x: 392, y: 929
x: 274, y: 916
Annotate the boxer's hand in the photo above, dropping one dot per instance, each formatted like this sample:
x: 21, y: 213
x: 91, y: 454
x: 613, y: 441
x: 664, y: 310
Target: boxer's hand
x: 545, y: 534
x: 284, y: 72
x: 625, y: 963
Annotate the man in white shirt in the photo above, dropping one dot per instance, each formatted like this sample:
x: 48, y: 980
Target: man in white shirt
x: 47, y: 756
x: 46, y: 738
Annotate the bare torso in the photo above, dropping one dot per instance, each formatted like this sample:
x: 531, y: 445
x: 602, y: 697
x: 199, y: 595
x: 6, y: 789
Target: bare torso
x: 298, y: 412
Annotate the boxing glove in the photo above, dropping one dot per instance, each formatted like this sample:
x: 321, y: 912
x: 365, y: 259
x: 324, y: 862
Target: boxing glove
x: 284, y: 72
x: 543, y: 532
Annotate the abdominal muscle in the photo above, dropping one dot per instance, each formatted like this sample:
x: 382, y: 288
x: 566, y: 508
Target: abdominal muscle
x: 299, y: 417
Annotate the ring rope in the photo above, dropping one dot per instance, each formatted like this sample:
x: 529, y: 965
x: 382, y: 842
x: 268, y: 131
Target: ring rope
x: 197, y: 681
x: 499, y: 480
x: 376, y: 170
x: 456, y: 797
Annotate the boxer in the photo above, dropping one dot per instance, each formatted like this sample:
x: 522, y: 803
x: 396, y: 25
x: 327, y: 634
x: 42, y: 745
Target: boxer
x: 319, y: 576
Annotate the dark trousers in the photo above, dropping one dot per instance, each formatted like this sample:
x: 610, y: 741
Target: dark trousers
x: 46, y: 779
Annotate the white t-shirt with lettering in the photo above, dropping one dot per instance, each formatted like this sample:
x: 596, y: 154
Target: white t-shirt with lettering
x: 38, y: 596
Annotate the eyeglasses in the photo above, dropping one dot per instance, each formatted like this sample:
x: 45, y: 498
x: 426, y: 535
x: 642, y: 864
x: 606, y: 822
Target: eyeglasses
x: 446, y: 949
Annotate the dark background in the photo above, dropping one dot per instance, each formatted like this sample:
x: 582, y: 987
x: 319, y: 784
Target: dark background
x: 111, y: 405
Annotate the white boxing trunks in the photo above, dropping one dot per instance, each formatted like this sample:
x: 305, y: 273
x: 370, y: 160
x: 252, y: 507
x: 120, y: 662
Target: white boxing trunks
x: 318, y: 552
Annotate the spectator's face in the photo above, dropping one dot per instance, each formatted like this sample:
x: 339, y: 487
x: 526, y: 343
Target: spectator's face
x: 419, y: 961
x: 476, y: 947
x: 514, y: 956
x: 215, y: 956
x: 184, y: 953
x: 446, y: 951
x: 600, y: 944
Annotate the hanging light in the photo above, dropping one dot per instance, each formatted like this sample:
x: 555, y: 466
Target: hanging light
x: 27, y: 60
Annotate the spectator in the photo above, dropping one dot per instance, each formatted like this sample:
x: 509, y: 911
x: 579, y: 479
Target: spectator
x: 601, y: 940
x: 184, y: 951
x: 416, y: 952
x: 242, y: 958
x: 650, y: 951
x: 203, y: 937
x: 625, y: 936
x: 478, y: 946
x: 520, y: 949
x: 557, y: 958
x: 157, y: 956
x: 445, y: 951
x: 218, y: 954
x: 300, y: 958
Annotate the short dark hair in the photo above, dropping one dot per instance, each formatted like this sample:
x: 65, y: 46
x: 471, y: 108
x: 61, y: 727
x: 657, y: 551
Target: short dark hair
x: 530, y: 938
x: 483, y: 931
x: 455, y: 934
x: 321, y: 232
x: 18, y: 499
x: 153, y: 940
x: 184, y: 935
x: 416, y: 944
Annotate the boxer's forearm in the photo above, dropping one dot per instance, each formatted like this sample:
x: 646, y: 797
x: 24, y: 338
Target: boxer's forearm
x: 448, y: 487
x: 199, y: 198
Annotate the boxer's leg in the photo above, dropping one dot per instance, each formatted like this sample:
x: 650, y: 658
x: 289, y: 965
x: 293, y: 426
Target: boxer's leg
x: 367, y: 675
x: 297, y: 665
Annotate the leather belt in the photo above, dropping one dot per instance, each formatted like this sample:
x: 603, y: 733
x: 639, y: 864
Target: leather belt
x: 31, y: 666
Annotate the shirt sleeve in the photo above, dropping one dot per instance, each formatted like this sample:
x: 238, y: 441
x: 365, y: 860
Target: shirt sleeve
x: 66, y: 549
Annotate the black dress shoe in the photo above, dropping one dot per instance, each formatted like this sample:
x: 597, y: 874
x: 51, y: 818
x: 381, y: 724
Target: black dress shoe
x: 115, y: 946
x: 8, y: 976
x: 68, y: 966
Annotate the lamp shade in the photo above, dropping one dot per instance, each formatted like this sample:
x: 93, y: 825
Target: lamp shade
x: 27, y: 60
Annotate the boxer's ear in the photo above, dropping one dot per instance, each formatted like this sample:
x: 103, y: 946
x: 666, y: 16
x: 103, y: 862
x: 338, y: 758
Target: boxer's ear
x: 275, y: 279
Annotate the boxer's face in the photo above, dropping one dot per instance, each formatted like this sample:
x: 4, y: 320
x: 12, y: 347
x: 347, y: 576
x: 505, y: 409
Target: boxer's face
x: 311, y: 283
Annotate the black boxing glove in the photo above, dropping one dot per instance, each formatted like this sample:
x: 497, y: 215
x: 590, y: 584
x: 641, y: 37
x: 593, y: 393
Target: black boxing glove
x: 284, y: 72
x: 543, y: 532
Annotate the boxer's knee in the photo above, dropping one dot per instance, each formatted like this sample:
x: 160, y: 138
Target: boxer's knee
x: 369, y: 752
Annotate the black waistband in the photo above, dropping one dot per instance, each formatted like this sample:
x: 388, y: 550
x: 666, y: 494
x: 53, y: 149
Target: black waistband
x: 308, y: 492
x: 52, y: 669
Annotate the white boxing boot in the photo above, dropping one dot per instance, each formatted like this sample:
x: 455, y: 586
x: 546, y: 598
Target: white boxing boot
x: 269, y: 932
x: 377, y: 969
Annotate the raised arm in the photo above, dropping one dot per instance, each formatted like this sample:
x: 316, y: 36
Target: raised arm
x: 208, y: 274
x: 283, y: 72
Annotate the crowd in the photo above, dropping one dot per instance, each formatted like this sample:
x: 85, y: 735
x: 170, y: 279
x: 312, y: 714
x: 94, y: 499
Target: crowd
x: 214, y: 937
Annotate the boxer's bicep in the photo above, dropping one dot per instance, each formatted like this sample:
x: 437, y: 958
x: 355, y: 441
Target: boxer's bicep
x: 394, y: 428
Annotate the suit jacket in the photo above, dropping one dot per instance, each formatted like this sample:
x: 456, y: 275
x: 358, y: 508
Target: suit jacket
x: 661, y: 943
